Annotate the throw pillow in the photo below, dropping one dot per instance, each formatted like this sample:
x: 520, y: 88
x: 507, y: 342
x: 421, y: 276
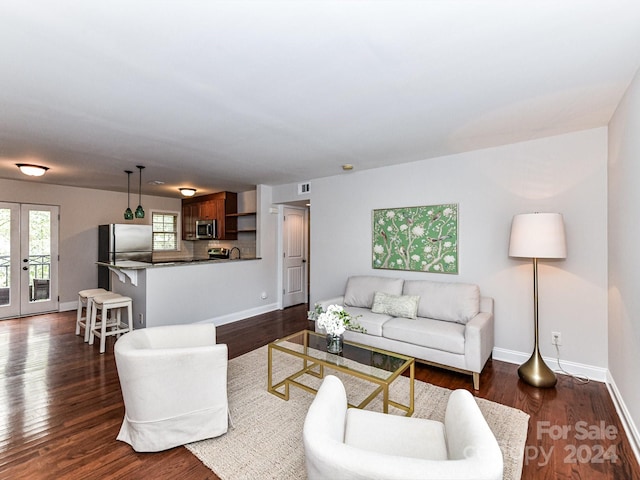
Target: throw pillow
x: 360, y: 289
x: 405, y: 306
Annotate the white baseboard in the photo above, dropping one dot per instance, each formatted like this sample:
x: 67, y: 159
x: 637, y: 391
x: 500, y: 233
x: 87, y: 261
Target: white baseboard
x: 597, y: 374
x: 234, y: 317
x: 625, y: 417
x: 230, y: 318
x: 67, y: 306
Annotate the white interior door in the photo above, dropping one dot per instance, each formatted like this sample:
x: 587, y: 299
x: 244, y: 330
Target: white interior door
x: 28, y: 259
x: 294, y: 243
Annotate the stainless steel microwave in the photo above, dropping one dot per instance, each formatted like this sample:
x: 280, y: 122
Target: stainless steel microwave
x: 205, y: 229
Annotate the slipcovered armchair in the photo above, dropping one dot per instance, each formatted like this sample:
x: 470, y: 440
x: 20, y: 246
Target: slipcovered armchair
x: 174, y: 386
x: 351, y: 444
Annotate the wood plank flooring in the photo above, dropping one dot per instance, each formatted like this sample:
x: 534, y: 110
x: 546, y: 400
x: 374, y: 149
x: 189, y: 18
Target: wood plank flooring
x: 61, y: 409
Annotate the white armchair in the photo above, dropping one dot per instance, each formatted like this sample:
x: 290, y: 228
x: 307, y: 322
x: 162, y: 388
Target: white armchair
x: 351, y: 444
x: 174, y: 386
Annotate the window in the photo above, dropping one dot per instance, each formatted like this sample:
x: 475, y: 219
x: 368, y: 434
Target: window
x: 165, y: 231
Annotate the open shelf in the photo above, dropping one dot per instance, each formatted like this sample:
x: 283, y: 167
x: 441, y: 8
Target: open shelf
x: 248, y: 228
x: 242, y: 214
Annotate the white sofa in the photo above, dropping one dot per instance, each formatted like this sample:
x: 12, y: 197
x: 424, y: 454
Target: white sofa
x: 440, y: 323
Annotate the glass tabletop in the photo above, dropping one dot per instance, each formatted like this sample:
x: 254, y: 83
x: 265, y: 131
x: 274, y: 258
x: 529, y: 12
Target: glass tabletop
x: 369, y: 361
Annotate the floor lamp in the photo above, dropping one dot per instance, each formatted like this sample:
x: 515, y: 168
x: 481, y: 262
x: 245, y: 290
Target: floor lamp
x: 537, y: 235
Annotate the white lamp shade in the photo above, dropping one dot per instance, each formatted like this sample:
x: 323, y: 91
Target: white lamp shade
x: 538, y: 235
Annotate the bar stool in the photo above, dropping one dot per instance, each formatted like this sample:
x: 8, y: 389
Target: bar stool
x: 84, y: 301
x: 109, y: 325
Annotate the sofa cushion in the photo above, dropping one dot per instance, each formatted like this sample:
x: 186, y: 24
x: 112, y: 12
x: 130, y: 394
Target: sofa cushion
x: 371, y: 322
x: 453, y: 302
x: 427, y: 332
x: 360, y: 289
x: 395, y: 305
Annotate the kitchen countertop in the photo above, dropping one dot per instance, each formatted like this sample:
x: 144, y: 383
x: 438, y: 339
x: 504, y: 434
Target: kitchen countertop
x: 133, y: 265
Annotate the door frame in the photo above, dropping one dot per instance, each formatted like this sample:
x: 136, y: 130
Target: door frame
x: 280, y: 249
x: 21, y: 304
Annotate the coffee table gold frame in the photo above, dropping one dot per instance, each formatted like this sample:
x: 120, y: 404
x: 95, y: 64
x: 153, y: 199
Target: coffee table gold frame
x: 332, y: 362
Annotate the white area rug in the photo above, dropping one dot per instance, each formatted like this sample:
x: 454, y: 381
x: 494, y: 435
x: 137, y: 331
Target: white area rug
x: 265, y: 440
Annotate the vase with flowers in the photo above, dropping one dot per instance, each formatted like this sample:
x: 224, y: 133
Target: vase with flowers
x: 335, y: 320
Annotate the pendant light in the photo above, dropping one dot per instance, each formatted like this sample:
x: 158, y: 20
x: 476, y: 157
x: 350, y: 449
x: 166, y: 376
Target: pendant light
x: 128, y: 214
x: 140, y: 210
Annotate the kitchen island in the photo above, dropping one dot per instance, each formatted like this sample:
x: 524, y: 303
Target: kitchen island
x: 193, y: 291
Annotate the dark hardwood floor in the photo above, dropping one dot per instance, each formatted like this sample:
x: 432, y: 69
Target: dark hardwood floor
x: 61, y: 409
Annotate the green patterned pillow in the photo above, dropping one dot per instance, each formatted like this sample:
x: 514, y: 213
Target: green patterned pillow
x: 405, y: 306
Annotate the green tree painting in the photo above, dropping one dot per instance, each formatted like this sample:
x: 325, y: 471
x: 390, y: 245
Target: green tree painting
x: 423, y: 239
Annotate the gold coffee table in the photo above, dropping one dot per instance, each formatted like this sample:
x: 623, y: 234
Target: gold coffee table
x: 368, y: 363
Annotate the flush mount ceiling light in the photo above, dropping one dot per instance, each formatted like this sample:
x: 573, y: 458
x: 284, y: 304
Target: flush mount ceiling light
x: 140, y: 210
x: 187, y: 192
x: 32, y: 170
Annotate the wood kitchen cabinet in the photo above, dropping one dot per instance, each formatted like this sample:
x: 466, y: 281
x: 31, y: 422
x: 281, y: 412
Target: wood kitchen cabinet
x: 215, y: 206
x: 226, y: 206
x: 190, y: 213
x: 208, y: 210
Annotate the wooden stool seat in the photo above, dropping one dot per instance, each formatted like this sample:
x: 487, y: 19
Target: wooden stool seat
x: 110, y: 324
x: 85, y: 301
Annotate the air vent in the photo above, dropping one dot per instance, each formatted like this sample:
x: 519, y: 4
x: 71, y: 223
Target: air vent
x: 304, y: 188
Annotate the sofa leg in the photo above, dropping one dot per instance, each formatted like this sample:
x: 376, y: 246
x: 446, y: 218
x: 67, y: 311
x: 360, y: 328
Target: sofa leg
x: 476, y: 381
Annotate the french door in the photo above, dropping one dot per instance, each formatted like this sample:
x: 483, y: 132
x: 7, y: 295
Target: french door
x: 28, y: 259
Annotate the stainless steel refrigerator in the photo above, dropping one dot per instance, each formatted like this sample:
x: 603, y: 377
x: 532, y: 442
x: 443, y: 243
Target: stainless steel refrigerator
x: 120, y: 241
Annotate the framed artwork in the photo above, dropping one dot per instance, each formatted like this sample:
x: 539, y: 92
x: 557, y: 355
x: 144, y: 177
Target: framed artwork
x: 421, y: 239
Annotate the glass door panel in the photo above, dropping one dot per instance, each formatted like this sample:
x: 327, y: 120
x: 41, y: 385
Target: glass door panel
x: 39, y: 255
x: 39, y: 247
x: 9, y: 260
x: 5, y: 256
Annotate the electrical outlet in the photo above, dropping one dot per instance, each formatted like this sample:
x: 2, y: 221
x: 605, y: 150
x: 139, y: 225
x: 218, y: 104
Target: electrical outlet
x: 556, y: 338
x: 141, y: 319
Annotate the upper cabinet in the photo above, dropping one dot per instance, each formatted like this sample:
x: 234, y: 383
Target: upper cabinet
x: 208, y: 210
x: 221, y: 206
x: 226, y: 206
x: 190, y: 213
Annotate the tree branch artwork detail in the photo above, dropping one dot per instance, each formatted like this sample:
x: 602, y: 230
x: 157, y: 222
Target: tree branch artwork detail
x: 422, y: 239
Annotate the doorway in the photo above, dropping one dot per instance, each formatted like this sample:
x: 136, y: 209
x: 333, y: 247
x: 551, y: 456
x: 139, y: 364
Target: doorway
x: 28, y: 259
x: 295, y: 265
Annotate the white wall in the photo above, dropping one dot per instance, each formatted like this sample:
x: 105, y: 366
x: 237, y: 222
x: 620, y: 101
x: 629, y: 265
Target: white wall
x: 565, y: 174
x: 624, y: 249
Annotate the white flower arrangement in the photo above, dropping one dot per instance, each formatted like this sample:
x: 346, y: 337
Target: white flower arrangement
x: 335, y: 320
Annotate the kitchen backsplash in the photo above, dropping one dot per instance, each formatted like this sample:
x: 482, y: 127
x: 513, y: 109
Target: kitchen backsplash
x: 247, y: 247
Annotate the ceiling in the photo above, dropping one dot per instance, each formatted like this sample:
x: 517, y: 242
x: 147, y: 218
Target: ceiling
x: 224, y: 95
